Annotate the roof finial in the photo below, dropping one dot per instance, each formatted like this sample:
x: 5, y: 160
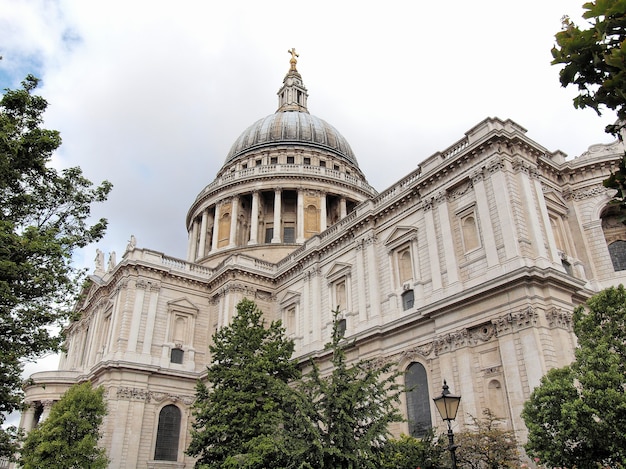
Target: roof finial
x: 293, y: 60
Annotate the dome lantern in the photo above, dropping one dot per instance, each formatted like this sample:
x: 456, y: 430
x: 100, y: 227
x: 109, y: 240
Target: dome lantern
x: 292, y: 96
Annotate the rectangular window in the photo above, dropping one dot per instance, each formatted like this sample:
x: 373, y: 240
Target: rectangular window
x: 290, y: 160
x: 274, y: 160
x: 307, y: 160
x: 289, y: 234
x: 269, y: 234
x: 322, y: 164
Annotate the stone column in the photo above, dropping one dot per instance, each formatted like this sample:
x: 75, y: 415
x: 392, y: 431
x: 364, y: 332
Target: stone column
x: 193, y: 252
x: 343, y: 211
x: 216, y: 224
x: 47, y: 406
x: 525, y: 172
x: 372, y: 273
x: 133, y: 336
x: 233, y: 222
x: 323, y: 214
x: 545, y: 218
x: 503, y: 205
x: 150, y: 320
x: 448, y: 242
x: 254, y: 221
x: 202, y: 247
x: 277, y: 209
x: 482, y: 206
x: 360, y: 280
x: 28, y: 417
x: 300, y: 217
x: 433, y: 252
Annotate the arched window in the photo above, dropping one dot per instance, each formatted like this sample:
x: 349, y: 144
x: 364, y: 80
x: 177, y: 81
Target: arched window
x: 168, y: 433
x: 470, y: 233
x: 404, y: 265
x: 417, y: 400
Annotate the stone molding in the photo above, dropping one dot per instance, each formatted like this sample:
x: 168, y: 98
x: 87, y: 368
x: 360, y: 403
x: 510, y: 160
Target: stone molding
x: 136, y: 394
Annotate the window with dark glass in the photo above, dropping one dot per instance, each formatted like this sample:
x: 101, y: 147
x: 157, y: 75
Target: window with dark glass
x: 289, y: 234
x: 407, y: 300
x: 417, y: 400
x: 617, y: 250
x: 176, y: 355
x: 273, y: 160
x: 269, y: 234
x: 290, y: 160
x: 307, y: 160
x: 341, y: 327
x: 168, y: 433
x: 322, y: 164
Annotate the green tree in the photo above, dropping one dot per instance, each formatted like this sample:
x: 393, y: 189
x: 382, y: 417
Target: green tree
x: 244, y: 418
x: 487, y: 445
x: 594, y: 58
x: 576, y: 417
x: 351, y: 408
x: 43, y: 219
x: 408, y: 452
x: 68, y: 438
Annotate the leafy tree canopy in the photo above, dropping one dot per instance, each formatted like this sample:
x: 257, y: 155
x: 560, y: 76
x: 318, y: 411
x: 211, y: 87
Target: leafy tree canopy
x: 594, y: 58
x: 242, y: 418
x: 68, y: 438
x: 351, y: 408
x: 408, y: 452
x: 577, y: 416
x: 43, y: 219
x: 486, y: 445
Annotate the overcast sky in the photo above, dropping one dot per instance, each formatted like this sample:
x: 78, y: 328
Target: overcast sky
x: 151, y: 94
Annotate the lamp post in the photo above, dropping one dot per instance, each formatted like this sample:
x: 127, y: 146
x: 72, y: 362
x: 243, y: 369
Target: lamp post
x: 448, y: 405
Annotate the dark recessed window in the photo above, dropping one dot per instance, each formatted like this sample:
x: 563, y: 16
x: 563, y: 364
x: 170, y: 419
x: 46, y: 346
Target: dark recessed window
x: 341, y: 327
x: 307, y: 160
x: 258, y: 163
x: 407, y: 300
x: 244, y: 166
x: 290, y: 160
x: 336, y: 167
x: 289, y: 234
x: 417, y: 400
x: 269, y: 234
x: 176, y: 355
x: 274, y: 160
x: 322, y: 163
x: 168, y: 433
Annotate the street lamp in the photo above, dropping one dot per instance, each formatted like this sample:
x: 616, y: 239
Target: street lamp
x: 448, y: 405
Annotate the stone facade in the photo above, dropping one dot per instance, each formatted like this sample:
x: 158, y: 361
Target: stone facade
x: 467, y: 269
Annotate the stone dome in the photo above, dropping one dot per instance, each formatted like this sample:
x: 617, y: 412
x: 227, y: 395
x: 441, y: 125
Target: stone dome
x: 292, y: 128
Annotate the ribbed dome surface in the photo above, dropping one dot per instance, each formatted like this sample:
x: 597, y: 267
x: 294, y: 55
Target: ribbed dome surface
x: 292, y: 128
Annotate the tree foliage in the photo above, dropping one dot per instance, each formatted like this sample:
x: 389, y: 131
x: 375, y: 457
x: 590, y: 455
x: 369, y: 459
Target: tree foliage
x: 68, y: 438
x: 351, y: 408
x: 242, y: 418
x: 486, y: 445
x: 594, y: 58
x: 577, y: 416
x: 408, y: 452
x: 43, y: 219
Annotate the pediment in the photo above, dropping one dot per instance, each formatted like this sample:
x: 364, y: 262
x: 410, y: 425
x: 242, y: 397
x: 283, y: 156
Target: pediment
x: 400, y: 235
x: 184, y: 305
x: 337, y: 270
x: 555, y: 202
x: 290, y: 297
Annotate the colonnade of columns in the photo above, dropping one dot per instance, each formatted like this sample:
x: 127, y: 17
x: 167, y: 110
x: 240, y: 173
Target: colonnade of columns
x: 222, y: 222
